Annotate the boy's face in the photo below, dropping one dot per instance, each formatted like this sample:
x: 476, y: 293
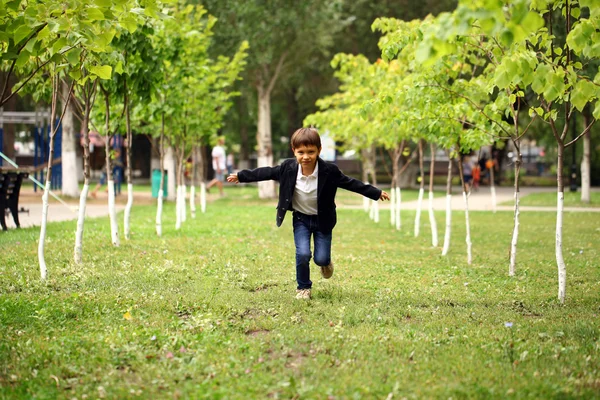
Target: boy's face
x: 307, y: 155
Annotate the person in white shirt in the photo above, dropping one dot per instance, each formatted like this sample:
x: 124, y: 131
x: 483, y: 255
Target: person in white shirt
x: 307, y: 186
x: 218, y: 164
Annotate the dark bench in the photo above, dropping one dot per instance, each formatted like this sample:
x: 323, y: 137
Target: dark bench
x: 10, y: 186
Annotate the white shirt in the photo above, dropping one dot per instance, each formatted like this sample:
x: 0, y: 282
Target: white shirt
x: 218, y: 153
x: 305, y: 193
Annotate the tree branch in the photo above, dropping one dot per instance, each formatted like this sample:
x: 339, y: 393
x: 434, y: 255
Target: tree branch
x: 277, y: 71
x: 586, y: 130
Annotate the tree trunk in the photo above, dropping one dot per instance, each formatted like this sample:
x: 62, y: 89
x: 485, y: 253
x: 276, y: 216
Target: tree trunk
x: 394, y: 214
x: 266, y: 189
x: 161, y: 186
x: 421, y: 189
x: 493, y: 186
x: 515, y: 234
x: 127, y: 213
x: 169, y: 164
x: 432, y: 222
x: 112, y: 211
x: 586, y: 160
x: 466, y: 200
x: 560, y: 262
x: 193, y: 183
x: 448, y: 208
x: 70, y: 186
x: 53, y: 126
x: 89, y: 94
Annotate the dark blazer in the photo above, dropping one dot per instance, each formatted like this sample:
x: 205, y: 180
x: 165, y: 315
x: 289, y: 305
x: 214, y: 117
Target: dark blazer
x: 329, y: 179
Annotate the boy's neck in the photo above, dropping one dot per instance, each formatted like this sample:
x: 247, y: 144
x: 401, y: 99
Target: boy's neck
x: 308, y: 169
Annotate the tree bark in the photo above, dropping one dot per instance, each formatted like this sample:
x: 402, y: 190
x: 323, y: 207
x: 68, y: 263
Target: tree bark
x: 112, y: 211
x: 446, y: 246
x: 432, y: 222
x: 127, y: 213
x: 161, y: 186
x: 89, y: 95
x: 421, y: 190
x: 70, y: 186
x: 560, y: 262
x: 466, y: 201
x: 515, y: 234
x: 586, y: 159
x: 266, y: 189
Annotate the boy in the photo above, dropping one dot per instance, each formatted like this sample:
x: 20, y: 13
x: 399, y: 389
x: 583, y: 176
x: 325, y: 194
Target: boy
x: 307, y: 187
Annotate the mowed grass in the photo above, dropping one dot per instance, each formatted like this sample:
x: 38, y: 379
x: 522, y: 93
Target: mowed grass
x: 209, y: 311
x: 548, y: 199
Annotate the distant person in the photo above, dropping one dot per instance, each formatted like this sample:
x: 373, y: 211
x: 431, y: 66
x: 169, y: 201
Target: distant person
x: 219, y: 165
x: 467, y: 166
x: 476, y: 177
x: 313, y: 209
x: 116, y: 164
x: 230, y: 163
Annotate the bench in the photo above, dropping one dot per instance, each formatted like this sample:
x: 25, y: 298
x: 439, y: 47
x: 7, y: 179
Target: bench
x: 10, y: 186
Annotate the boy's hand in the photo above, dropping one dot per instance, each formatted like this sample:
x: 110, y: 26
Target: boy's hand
x: 233, y: 178
x: 384, y: 196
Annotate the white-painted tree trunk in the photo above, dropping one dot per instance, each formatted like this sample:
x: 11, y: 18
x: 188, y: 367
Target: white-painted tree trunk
x: 585, y: 168
x: 127, y: 214
x: 183, y: 203
x: 376, y: 211
x: 203, y: 197
x: 515, y: 238
x: 70, y: 185
x: 448, y: 230
x: 171, y: 171
x: 41, y: 259
x: 178, y: 217
x: 366, y: 202
x: 393, y: 206
x: 560, y: 262
x: 159, y: 208
x: 398, y: 208
x: 434, y: 234
x: 418, y: 216
x: 468, y: 226
x: 371, y: 210
x: 78, y: 251
x: 266, y: 189
x: 193, y: 201
x: 112, y: 212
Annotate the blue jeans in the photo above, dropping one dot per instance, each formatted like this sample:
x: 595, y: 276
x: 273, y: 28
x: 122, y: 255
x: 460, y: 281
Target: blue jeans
x: 304, y: 227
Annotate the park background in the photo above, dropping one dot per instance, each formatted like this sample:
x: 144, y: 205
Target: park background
x: 200, y: 303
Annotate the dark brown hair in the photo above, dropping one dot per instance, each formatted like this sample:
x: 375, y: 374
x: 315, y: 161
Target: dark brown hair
x: 306, y: 137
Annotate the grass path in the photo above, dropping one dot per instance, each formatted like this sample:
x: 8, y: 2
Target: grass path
x: 209, y: 311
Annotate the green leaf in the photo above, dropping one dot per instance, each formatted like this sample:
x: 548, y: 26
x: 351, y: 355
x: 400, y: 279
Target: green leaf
x: 21, y: 33
x: 103, y: 3
x: 596, y: 112
x: 73, y: 56
x: 119, y: 68
x: 94, y: 14
x: 103, y: 71
x: 583, y: 92
x: 23, y: 58
x: 44, y: 33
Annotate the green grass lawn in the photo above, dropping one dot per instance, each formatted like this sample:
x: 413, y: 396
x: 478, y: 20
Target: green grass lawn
x: 548, y: 199
x: 209, y: 311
